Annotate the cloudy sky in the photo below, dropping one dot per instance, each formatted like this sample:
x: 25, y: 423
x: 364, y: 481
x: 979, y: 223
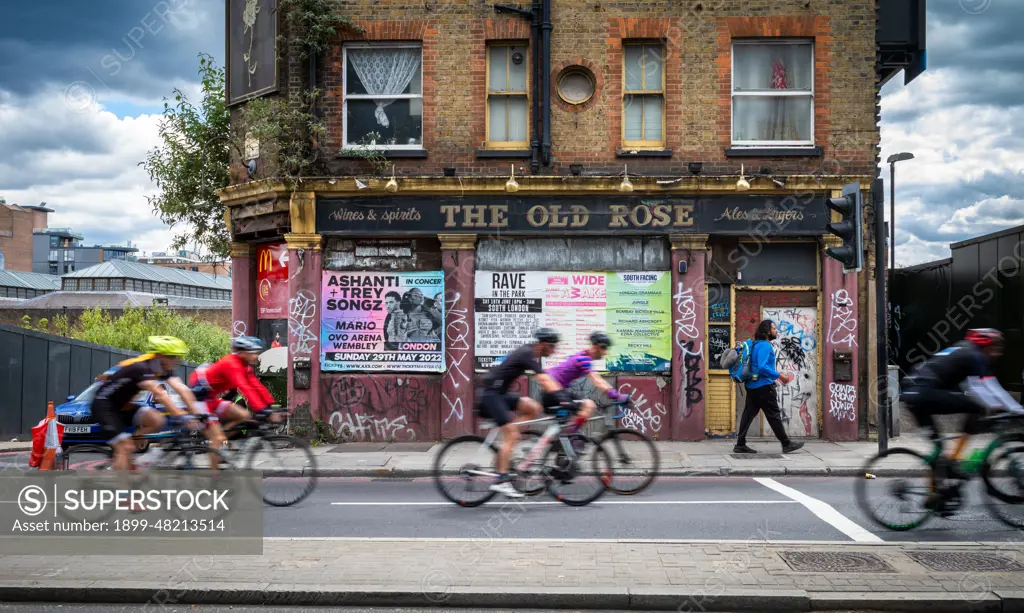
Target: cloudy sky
x: 81, y: 92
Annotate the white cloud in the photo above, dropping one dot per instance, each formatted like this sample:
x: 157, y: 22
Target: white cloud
x: 98, y: 190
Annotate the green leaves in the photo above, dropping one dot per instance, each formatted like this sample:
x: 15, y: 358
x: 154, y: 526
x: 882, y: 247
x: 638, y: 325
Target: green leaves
x: 206, y: 342
x: 192, y: 162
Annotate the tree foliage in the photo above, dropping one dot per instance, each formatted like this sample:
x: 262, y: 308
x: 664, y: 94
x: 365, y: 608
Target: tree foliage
x: 206, y: 342
x: 191, y: 163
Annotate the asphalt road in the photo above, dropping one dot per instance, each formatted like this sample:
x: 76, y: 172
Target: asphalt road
x: 117, y: 608
x: 710, y: 508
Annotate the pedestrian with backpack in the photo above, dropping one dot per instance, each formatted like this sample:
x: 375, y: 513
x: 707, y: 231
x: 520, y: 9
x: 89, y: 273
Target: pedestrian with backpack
x: 753, y: 365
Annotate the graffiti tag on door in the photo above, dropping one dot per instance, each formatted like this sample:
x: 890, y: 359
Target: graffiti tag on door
x: 797, y: 354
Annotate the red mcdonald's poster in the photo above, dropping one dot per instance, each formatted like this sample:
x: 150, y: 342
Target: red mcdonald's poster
x: 272, y: 281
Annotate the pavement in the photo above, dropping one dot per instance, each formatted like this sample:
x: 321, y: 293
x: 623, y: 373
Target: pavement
x: 745, y: 575
x: 714, y: 542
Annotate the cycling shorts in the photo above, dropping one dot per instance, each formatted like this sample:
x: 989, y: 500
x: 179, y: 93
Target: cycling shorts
x: 497, y: 407
x: 114, y: 422
x: 925, y: 402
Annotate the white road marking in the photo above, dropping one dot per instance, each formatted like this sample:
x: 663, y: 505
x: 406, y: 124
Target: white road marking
x: 824, y: 511
x: 598, y: 502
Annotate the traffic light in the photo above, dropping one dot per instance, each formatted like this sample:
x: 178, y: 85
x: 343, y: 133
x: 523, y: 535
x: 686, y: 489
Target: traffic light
x: 850, y: 253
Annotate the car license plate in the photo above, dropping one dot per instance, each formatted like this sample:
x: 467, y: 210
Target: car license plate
x: 77, y: 429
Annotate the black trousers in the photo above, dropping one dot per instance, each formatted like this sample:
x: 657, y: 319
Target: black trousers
x: 762, y: 399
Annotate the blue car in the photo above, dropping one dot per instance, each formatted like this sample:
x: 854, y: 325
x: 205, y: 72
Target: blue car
x: 79, y: 425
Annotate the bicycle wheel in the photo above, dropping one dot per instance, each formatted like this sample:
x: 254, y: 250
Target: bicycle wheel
x: 592, y: 469
x: 288, y: 466
x: 473, y: 463
x: 92, y: 460
x: 176, y: 470
x: 1003, y: 469
x: 533, y: 481
x: 911, y: 497
x: 635, y: 460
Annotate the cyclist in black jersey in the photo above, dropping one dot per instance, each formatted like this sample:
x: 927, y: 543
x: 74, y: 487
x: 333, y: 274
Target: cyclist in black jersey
x: 506, y: 409
x: 959, y: 380
x: 113, y: 407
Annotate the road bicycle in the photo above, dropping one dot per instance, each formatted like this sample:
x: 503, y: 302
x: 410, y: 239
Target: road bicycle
x: 184, y: 449
x: 635, y: 458
x: 1000, y: 465
x: 555, y: 462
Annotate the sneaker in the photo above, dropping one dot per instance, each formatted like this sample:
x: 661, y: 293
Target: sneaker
x: 506, y: 489
x: 791, y: 447
x: 743, y: 449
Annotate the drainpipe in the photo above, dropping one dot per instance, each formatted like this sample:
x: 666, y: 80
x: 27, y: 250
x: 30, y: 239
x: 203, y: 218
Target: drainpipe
x: 534, y: 16
x: 546, y: 78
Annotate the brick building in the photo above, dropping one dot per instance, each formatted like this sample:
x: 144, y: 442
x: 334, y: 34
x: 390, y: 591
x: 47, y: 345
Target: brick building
x: 656, y: 170
x: 17, y: 224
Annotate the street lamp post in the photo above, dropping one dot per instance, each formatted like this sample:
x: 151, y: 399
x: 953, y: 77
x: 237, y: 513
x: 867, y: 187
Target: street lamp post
x: 896, y: 157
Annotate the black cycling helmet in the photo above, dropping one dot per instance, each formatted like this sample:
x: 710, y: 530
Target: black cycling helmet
x: 546, y: 335
x: 600, y: 339
x: 247, y: 343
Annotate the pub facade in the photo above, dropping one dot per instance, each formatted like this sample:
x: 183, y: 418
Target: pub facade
x: 659, y: 173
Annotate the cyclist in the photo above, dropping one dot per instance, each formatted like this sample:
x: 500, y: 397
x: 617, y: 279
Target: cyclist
x: 507, y: 409
x: 579, y: 365
x: 113, y: 408
x: 210, y: 383
x: 958, y: 380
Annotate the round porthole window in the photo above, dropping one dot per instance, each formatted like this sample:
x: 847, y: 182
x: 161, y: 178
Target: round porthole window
x: 575, y: 85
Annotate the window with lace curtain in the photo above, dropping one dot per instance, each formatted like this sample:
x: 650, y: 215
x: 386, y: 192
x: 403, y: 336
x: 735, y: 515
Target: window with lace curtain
x: 773, y: 93
x: 643, y: 96
x: 383, y: 85
x: 508, y: 98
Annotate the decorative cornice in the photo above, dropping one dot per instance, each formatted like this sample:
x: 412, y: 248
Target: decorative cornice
x: 310, y: 242
x: 240, y: 250
x: 538, y: 185
x: 457, y: 242
x: 302, y: 207
x: 689, y: 242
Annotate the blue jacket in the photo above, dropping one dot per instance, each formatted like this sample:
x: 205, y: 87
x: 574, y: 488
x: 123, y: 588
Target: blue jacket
x: 762, y: 365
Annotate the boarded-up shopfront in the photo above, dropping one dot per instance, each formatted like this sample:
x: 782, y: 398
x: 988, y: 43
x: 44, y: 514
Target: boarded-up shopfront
x: 395, y: 304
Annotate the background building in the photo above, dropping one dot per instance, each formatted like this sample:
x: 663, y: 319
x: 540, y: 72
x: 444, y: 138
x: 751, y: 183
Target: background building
x: 657, y: 170
x: 186, y: 260
x: 114, y: 286
x: 17, y: 224
x: 59, y: 251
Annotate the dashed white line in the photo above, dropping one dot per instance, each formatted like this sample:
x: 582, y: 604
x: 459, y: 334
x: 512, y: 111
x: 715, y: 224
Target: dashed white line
x: 824, y: 511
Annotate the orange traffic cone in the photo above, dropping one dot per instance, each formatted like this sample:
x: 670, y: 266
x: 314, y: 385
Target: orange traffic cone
x: 46, y: 438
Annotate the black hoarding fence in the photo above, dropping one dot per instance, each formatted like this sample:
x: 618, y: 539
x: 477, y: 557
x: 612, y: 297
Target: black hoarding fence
x: 982, y: 286
x: 36, y: 368
x: 919, y: 298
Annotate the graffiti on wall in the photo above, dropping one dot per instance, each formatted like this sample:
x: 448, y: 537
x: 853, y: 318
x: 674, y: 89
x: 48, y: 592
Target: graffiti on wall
x: 842, y: 325
x: 688, y: 340
x: 843, y: 401
x: 648, y: 413
x: 301, y: 313
x: 796, y: 349
x: 457, y: 375
x: 382, y: 407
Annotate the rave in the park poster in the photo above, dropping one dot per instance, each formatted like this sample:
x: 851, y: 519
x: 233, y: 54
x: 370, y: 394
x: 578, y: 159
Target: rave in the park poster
x: 634, y: 308
x: 382, y: 321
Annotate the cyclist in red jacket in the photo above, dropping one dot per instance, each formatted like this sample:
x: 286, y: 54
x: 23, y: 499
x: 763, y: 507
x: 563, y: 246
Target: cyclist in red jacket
x: 232, y: 373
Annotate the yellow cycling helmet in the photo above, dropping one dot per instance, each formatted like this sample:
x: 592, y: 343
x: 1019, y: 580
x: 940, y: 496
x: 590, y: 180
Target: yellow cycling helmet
x: 167, y: 345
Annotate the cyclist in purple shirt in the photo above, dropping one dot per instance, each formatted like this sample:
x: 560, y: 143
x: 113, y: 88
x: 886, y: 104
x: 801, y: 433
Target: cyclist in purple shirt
x: 580, y: 365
